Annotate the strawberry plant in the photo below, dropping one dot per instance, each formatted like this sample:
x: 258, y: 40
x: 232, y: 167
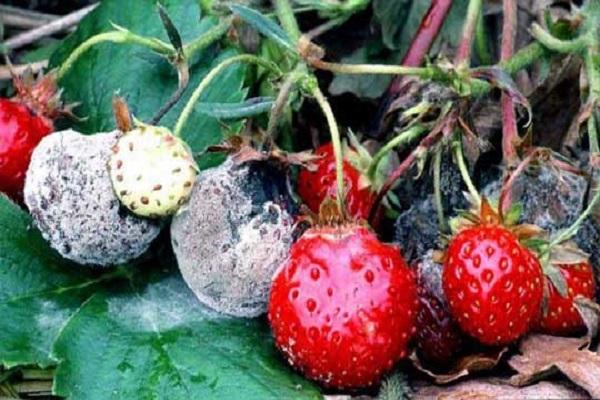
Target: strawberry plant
x: 298, y: 199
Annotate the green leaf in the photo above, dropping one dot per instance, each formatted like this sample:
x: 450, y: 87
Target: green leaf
x: 144, y: 78
x: 155, y: 341
x: 264, y: 25
x: 39, y: 291
x: 249, y: 108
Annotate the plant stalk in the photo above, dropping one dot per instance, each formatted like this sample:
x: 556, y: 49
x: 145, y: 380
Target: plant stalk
x: 243, y: 58
x: 337, y: 146
x: 510, y: 134
x: 285, y: 14
x: 463, y: 53
x: 209, y: 37
x: 464, y: 171
x: 572, y: 230
x: 117, y: 36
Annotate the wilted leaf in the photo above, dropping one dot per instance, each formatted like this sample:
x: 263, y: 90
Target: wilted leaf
x: 543, y: 355
x: 463, y: 366
x: 489, y: 390
x: 590, y: 313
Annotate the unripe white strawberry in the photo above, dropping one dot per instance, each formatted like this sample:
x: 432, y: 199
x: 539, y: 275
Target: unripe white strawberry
x: 152, y: 171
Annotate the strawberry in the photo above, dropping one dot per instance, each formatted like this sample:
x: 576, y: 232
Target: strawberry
x: 560, y: 316
x: 493, y: 284
x: 24, y: 121
x: 342, y: 307
x: 438, y: 338
x: 315, y: 186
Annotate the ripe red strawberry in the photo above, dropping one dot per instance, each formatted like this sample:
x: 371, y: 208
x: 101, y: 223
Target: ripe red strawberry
x: 492, y: 283
x: 343, y: 306
x: 24, y: 121
x: 315, y: 186
x: 560, y: 316
x: 438, y: 337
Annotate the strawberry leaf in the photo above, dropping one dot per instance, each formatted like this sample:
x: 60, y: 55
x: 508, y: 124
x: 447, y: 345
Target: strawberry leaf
x: 153, y: 339
x: 145, y: 79
x: 39, y: 291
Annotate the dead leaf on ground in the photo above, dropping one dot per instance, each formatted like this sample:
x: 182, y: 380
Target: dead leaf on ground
x: 543, y: 355
x: 590, y: 313
x: 464, y: 366
x: 480, y: 389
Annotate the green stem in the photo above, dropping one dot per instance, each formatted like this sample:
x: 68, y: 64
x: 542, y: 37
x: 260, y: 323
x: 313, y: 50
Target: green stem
x: 481, y: 43
x: 117, y: 36
x: 376, y: 69
x: 464, y: 171
x: 209, y: 37
x: 463, y: 54
x: 282, y: 99
x: 337, y: 146
x: 524, y: 57
x: 403, y: 138
x: 437, y: 189
x: 561, y: 46
x: 244, y: 58
x: 572, y: 230
x: 285, y: 14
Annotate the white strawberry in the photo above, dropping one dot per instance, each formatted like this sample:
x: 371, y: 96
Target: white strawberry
x: 152, y: 171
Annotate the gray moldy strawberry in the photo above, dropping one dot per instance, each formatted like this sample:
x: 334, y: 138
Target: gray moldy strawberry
x: 70, y: 197
x: 235, y: 231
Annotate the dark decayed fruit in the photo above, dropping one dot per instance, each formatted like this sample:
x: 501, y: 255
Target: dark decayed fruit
x: 233, y: 234
x: 438, y: 337
x: 560, y: 317
x: 343, y: 306
x: 492, y: 283
x: 315, y: 186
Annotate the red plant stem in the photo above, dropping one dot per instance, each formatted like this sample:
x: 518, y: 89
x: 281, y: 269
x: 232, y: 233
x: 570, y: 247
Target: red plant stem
x: 424, y: 37
x: 510, y: 134
x: 506, y: 191
x: 463, y: 53
x: 423, y: 147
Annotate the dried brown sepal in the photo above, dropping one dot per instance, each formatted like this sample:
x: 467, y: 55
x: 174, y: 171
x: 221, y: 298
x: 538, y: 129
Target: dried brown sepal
x: 463, y: 366
x: 41, y: 94
x: 242, y: 150
x: 121, y: 114
x: 568, y: 253
x: 309, y: 51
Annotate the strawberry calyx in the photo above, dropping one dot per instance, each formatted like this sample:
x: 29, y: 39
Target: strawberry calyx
x: 41, y: 94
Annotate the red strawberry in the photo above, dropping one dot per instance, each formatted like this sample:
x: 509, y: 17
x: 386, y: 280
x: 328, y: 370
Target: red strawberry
x: 492, y: 283
x: 315, y: 186
x: 343, y: 306
x: 24, y: 121
x: 560, y: 317
x: 438, y: 338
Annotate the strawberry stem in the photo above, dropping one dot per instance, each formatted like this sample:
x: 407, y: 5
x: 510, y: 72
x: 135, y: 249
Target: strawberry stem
x: 464, y: 171
x: 116, y: 36
x: 463, y: 54
x: 337, y: 146
x: 510, y: 134
x: 207, y: 38
x: 572, y: 230
x: 481, y: 43
x: 282, y: 99
x: 404, y: 138
x: 285, y: 14
x: 504, y: 202
x: 243, y: 58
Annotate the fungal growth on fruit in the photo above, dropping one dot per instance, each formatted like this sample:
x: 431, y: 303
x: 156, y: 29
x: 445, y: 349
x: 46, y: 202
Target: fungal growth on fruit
x: 234, y: 232
x: 69, y: 194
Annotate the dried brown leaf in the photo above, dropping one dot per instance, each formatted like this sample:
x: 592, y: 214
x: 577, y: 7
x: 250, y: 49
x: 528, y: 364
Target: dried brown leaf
x: 590, y: 313
x: 543, y: 355
x: 463, y: 366
x: 489, y: 390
